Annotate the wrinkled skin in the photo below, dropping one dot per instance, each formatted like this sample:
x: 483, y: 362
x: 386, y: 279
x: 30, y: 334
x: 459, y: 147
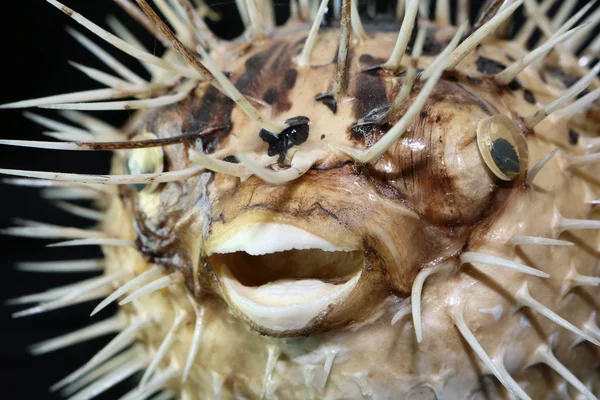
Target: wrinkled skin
x: 427, y: 200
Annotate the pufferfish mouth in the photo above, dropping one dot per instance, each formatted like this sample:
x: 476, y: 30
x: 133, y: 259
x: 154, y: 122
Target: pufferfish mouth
x: 281, y: 277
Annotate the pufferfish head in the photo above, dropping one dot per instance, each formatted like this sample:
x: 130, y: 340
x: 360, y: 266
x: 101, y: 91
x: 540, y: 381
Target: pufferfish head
x: 290, y: 231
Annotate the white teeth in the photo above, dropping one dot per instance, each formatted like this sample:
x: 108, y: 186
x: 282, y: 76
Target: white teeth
x: 284, y: 305
x: 268, y: 237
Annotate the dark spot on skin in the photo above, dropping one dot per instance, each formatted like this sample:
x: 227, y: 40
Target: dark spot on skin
x: 510, y: 58
x: 474, y: 80
x: 227, y: 74
x: 423, y: 114
x: 255, y: 66
x: 568, y: 79
x: 431, y: 46
x: 214, y: 109
x: 514, y: 85
x: 369, y: 91
x: 450, y: 77
x: 296, y: 134
x: 322, y: 136
x: 270, y: 75
x: 270, y: 96
x: 259, y: 59
x: 505, y: 157
x: 231, y: 159
x: 488, y: 66
x: 528, y: 96
x: 374, y: 64
x: 573, y: 137
x: 290, y: 79
x: 328, y: 100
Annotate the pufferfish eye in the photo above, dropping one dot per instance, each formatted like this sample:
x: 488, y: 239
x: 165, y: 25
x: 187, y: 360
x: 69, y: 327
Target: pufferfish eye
x: 144, y: 161
x: 502, y: 147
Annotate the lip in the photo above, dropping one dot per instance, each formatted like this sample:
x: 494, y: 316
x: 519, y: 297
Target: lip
x: 280, y: 277
x: 270, y: 237
x: 285, y: 305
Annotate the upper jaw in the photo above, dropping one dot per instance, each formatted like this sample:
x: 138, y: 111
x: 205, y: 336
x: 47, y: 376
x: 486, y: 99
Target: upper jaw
x: 271, y: 237
x: 281, y: 278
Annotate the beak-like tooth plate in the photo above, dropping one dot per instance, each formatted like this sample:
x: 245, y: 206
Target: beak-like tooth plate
x: 269, y: 237
x: 285, y: 305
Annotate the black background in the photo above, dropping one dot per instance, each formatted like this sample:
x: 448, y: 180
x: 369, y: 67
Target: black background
x: 35, y: 49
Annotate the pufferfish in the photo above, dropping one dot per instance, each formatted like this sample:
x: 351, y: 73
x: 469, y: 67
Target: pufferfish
x: 397, y: 209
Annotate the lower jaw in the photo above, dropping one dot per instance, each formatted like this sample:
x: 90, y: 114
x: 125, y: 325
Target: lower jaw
x: 285, y: 306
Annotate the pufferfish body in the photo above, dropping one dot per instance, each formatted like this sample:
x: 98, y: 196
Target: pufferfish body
x: 358, y: 211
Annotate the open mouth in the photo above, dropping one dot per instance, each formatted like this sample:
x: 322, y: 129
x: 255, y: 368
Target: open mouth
x: 282, y: 277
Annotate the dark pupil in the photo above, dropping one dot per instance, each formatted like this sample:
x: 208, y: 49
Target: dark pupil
x: 134, y: 168
x: 505, y: 157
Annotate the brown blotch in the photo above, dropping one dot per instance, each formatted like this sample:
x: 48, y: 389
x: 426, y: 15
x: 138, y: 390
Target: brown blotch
x: 432, y: 46
x: 474, y: 80
x: 573, y: 137
x: 514, y: 85
x: 450, y: 77
x: 290, y: 79
x: 270, y: 96
x: 370, y: 93
x: 365, y: 58
x: 209, y: 109
x: 529, y: 97
x: 214, y: 110
x: 270, y: 75
x: 249, y: 83
x: 568, y: 79
x: 487, y: 66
